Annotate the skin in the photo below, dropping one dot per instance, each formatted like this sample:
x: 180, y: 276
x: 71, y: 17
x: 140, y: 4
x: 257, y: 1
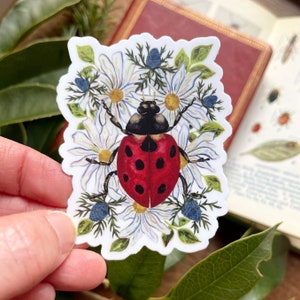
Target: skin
x: 37, y: 253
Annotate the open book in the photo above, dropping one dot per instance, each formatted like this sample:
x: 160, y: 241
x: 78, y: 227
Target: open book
x: 263, y: 167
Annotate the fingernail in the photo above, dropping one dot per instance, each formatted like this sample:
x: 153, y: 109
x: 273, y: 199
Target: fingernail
x: 64, y: 228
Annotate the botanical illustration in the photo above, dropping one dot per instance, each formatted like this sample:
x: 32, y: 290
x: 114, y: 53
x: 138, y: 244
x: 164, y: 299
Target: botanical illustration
x: 145, y: 143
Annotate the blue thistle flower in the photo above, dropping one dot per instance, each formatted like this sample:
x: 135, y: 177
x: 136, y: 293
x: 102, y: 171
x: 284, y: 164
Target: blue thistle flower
x: 99, y: 211
x: 153, y: 59
x: 210, y: 101
x: 191, y: 210
x: 83, y: 84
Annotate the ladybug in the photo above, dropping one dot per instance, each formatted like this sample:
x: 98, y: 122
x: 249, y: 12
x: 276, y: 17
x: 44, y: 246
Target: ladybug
x: 148, y: 160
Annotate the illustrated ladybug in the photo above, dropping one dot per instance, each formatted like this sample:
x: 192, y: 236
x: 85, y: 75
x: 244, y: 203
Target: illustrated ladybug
x: 148, y: 160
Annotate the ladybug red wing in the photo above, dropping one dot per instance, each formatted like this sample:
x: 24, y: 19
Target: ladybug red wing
x: 148, y: 177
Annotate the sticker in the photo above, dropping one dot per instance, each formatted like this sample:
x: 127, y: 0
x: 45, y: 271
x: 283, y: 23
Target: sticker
x: 144, y: 143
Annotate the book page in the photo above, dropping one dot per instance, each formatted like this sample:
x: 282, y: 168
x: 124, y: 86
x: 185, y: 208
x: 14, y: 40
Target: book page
x: 245, y: 16
x: 263, y: 167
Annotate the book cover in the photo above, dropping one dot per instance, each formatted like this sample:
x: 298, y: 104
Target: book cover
x: 243, y: 58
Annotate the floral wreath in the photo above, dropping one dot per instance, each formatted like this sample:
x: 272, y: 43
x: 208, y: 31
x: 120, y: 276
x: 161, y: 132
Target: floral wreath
x: 106, y: 96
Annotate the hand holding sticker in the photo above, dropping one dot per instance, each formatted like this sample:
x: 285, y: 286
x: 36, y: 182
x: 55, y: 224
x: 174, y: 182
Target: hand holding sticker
x: 145, y: 143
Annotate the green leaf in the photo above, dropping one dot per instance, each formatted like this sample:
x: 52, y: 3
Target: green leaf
x: 173, y: 258
x: 166, y: 238
x: 277, y: 150
x: 119, y: 245
x: 27, y: 102
x: 200, y: 53
x: 86, y: 53
x: 213, y: 182
x: 138, y: 276
x: 212, y: 127
x: 206, y: 72
x: 25, y: 16
x: 85, y: 226
x: 183, y: 221
x: 180, y: 58
x: 76, y: 110
x: 34, y: 61
x: 16, y: 132
x: 41, y: 133
x: 273, y: 270
x: 187, y: 236
x: 228, y: 273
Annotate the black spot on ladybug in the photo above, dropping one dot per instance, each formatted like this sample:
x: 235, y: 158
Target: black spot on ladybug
x: 161, y: 189
x: 148, y: 145
x: 139, y: 189
x: 172, y: 151
x: 160, y: 163
x: 128, y: 151
x: 125, y: 177
x: 139, y: 164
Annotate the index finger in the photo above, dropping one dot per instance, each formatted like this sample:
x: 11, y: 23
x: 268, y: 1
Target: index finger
x: 28, y: 173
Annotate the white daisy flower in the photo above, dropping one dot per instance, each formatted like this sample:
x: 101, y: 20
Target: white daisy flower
x: 178, y: 93
x: 142, y: 221
x: 95, y: 143
x: 118, y: 75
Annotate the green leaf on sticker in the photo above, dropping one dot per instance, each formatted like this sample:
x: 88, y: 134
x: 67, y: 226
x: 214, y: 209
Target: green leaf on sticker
x: 213, y: 182
x: 86, y: 53
x: 180, y: 58
x: 187, y: 236
x: 277, y: 150
x: 85, y: 226
x: 119, y: 245
x: 76, y: 110
x: 200, y: 53
x: 205, y: 71
x: 183, y: 221
x: 212, y: 127
x: 167, y: 237
x: 235, y: 266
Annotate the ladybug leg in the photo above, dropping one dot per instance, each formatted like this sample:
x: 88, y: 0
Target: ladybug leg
x: 180, y: 114
x: 186, y: 157
x: 112, y: 118
x: 106, y: 181
x: 102, y: 163
x: 184, y: 185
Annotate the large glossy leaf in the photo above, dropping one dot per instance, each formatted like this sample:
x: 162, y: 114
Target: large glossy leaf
x: 38, y: 60
x: 26, y: 102
x: 228, y: 273
x: 272, y: 270
x: 24, y: 16
x: 138, y: 276
x: 42, y: 132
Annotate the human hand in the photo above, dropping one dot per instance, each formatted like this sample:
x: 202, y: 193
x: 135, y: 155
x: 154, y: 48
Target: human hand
x: 36, y: 240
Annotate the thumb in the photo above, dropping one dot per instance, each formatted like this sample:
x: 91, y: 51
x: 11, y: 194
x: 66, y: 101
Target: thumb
x: 32, y: 246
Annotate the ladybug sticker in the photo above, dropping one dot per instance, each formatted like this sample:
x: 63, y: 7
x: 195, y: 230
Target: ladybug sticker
x: 144, y: 144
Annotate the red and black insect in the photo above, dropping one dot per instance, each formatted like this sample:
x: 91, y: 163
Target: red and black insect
x: 148, y: 159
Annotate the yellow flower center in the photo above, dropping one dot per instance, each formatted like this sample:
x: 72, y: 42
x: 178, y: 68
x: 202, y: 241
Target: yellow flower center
x: 116, y: 95
x: 183, y: 162
x: 172, y: 101
x: 104, y: 155
x: 139, y: 209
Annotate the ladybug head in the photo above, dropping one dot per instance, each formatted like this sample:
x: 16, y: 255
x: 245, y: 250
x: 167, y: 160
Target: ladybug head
x: 147, y: 120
